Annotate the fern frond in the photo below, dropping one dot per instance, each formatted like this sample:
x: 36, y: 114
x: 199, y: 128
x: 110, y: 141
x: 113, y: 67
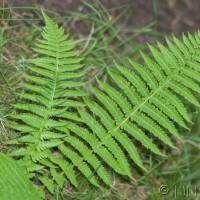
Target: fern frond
x: 146, y: 103
x: 52, y: 88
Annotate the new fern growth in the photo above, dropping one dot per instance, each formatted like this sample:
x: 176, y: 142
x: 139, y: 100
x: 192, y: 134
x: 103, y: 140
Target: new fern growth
x: 146, y: 102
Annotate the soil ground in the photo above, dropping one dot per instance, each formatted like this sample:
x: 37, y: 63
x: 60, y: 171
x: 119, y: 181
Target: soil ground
x: 172, y: 16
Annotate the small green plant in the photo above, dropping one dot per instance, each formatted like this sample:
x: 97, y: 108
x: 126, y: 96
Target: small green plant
x: 62, y: 132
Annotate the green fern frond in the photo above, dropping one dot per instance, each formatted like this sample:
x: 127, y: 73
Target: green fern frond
x: 52, y: 88
x: 146, y: 99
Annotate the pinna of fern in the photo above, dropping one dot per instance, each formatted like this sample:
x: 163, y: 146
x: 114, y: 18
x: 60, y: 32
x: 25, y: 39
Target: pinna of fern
x: 14, y: 184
